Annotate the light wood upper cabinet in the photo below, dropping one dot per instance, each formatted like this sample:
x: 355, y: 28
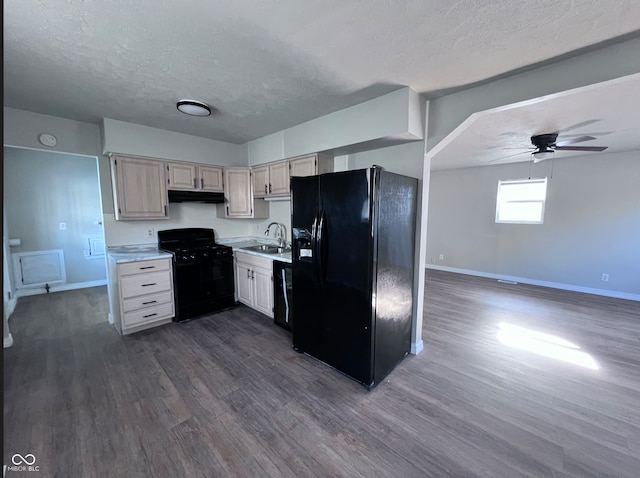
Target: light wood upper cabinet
x: 311, y: 165
x: 238, y: 195
x: 279, y: 178
x: 260, y: 181
x: 193, y: 177
x: 182, y: 175
x: 211, y: 178
x: 140, y: 189
x: 271, y: 179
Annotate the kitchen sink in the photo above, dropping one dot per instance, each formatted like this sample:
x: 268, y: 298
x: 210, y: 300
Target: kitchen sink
x: 268, y: 249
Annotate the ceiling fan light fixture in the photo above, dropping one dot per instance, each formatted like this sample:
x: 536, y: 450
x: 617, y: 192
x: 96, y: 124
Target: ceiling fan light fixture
x: 194, y: 108
x: 542, y: 154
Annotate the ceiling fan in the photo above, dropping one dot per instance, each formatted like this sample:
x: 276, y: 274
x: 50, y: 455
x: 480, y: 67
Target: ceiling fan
x: 546, y: 144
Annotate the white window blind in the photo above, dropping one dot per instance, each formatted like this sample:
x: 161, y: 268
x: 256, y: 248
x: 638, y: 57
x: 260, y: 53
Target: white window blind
x: 521, y: 201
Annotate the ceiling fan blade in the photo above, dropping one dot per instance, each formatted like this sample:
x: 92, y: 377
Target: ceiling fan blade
x: 579, y: 125
x: 600, y: 133
x: 579, y: 139
x: 580, y: 148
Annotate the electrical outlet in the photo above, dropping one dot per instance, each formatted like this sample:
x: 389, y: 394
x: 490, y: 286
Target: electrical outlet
x: 441, y: 257
x: 63, y: 226
x: 604, y: 278
x: 149, y: 232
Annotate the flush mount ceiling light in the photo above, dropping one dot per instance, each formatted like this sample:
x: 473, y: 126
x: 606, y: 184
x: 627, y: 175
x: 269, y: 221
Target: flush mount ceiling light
x: 194, y: 108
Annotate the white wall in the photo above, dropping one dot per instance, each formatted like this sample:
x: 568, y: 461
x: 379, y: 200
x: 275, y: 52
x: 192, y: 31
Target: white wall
x: 591, y: 226
x: 406, y: 159
x: 397, y: 115
x: 181, y: 215
x: 140, y: 140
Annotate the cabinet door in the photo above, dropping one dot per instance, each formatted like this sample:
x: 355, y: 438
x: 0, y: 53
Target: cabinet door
x: 279, y: 178
x: 244, y: 284
x: 263, y: 291
x: 182, y: 176
x: 261, y: 182
x: 304, y: 166
x: 139, y: 188
x: 210, y: 178
x: 238, y: 193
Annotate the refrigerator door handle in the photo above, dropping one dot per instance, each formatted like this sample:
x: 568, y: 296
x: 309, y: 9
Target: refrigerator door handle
x: 318, y: 251
x: 314, y: 230
x: 286, y: 298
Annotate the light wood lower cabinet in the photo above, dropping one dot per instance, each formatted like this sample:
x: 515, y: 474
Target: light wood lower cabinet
x: 143, y: 294
x: 254, y: 282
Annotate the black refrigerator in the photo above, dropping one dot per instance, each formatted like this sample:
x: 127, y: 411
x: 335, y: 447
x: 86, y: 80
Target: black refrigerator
x: 352, y: 268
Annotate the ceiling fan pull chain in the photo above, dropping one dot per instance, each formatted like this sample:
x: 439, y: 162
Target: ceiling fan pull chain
x: 530, y: 163
x: 552, y: 168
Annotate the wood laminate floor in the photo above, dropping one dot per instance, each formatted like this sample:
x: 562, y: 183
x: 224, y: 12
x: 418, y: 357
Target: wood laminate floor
x: 225, y: 395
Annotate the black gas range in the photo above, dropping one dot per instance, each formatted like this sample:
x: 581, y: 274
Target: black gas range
x: 203, y: 277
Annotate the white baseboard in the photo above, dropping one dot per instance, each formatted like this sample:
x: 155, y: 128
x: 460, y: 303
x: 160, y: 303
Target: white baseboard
x: 416, y: 347
x: 524, y: 280
x: 10, y: 306
x: 59, y: 288
x: 7, y: 342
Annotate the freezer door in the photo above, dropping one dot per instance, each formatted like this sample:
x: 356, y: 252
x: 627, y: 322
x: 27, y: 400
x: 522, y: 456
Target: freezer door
x: 395, y: 241
x: 344, y: 242
x: 306, y: 297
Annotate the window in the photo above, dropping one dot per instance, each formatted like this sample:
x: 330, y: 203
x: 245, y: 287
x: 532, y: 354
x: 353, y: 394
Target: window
x: 522, y: 201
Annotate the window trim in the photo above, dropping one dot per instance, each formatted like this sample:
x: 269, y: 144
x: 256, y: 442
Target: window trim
x: 536, y: 201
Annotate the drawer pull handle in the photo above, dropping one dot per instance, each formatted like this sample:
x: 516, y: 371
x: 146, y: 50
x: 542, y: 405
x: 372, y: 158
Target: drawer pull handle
x: 149, y: 302
x: 148, y: 267
x: 147, y: 285
x: 149, y: 315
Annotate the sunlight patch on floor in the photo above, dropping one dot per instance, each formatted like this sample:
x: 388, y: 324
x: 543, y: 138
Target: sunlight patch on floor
x: 544, y: 344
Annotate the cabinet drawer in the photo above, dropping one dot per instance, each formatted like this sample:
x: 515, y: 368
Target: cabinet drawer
x: 254, y: 261
x: 139, y: 267
x: 146, y: 301
x: 144, y: 284
x: 151, y: 314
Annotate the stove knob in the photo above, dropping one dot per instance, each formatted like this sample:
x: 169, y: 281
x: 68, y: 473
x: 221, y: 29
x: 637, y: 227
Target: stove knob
x: 192, y: 255
x: 205, y: 254
x: 184, y: 257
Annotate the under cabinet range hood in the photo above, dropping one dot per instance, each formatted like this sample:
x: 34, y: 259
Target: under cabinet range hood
x: 196, y: 196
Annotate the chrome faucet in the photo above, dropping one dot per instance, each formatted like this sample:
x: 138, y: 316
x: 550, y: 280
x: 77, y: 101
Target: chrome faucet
x: 281, y: 233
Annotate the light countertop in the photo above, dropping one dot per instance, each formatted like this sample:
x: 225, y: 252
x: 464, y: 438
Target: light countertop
x: 136, y: 253
x: 237, y: 244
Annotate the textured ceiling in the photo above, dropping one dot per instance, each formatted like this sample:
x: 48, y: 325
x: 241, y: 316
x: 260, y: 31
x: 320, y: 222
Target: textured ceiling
x: 608, y: 112
x: 268, y: 65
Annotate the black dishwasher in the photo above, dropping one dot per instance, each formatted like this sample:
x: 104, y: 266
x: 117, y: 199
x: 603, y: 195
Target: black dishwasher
x: 282, y: 312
